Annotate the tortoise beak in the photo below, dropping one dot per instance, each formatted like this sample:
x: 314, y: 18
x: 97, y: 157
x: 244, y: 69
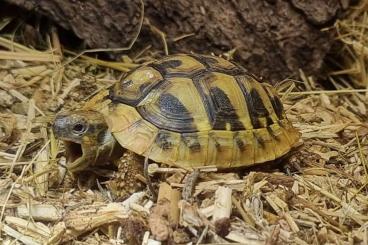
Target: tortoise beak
x: 77, y: 159
x: 82, y: 156
x: 73, y: 151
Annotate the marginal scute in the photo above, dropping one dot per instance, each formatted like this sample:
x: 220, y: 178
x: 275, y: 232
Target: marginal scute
x: 221, y: 144
x: 243, y: 154
x: 138, y: 137
x: 192, y: 142
x: 291, y: 133
x: 121, y: 116
x: 193, y: 150
x: 264, y: 146
x: 163, y: 140
x: 282, y: 145
x: 165, y: 147
x: 240, y: 142
x: 272, y: 133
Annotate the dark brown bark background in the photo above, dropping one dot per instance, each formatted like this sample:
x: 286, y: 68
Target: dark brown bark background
x: 273, y: 38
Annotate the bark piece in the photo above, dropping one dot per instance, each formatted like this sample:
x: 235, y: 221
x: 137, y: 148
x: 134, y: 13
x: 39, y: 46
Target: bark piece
x: 272, y: 38
x: 222, y: 210
x: 318, y: 14
x: 165, y: 214
x: 42, y: 212
x: 173, y: 195
x: 223, y: 203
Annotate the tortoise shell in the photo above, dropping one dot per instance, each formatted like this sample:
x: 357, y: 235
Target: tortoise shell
x: 197, y: 110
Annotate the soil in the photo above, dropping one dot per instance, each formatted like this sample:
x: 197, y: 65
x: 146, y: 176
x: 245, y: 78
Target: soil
x: 272, y: 38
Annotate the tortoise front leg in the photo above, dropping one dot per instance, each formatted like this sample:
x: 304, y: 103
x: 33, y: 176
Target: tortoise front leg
x: 129, y: 175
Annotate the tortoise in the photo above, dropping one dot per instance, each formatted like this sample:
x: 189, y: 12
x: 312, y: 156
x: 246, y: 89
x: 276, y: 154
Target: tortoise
x: 184, y: 110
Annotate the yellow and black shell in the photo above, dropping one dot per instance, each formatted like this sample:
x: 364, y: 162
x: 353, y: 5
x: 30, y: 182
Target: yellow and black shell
x: 197, y: 110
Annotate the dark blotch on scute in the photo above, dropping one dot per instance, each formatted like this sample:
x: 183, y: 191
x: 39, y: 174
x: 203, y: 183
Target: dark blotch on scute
x: 281, y: 124
x: 163, y: 140
x: 259, y: 140
x: 212, y: 64
x: 195, y: 147
x: 269, y: 121
x: 270, y: 131
x: 250, y: 103
x: 221, y: 100
x: 164, y: 65
x: 215, y: 141
x: 168, y: 103
x: 277, y: 106
x: 192, y: 142
x: 170, y: 63
x: 259, y: 107
x: 205, y: 60
x: 224, y: 111
x: 240, y: 142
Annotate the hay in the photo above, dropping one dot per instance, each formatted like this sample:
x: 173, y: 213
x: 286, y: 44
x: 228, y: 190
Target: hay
x: 322, y: 200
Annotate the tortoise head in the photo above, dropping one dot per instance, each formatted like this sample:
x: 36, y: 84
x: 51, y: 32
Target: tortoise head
x: 86, y: 137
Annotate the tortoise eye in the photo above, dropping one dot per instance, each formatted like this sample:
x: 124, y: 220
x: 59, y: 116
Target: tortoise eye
x: 79, y: 128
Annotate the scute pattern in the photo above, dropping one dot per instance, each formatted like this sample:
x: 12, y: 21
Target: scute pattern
x: 178, y: 65
x: 134, y: 87
x: 177, y: 107
x: 217, y: 64
x: 223, y: 101
x: 196, y: 110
